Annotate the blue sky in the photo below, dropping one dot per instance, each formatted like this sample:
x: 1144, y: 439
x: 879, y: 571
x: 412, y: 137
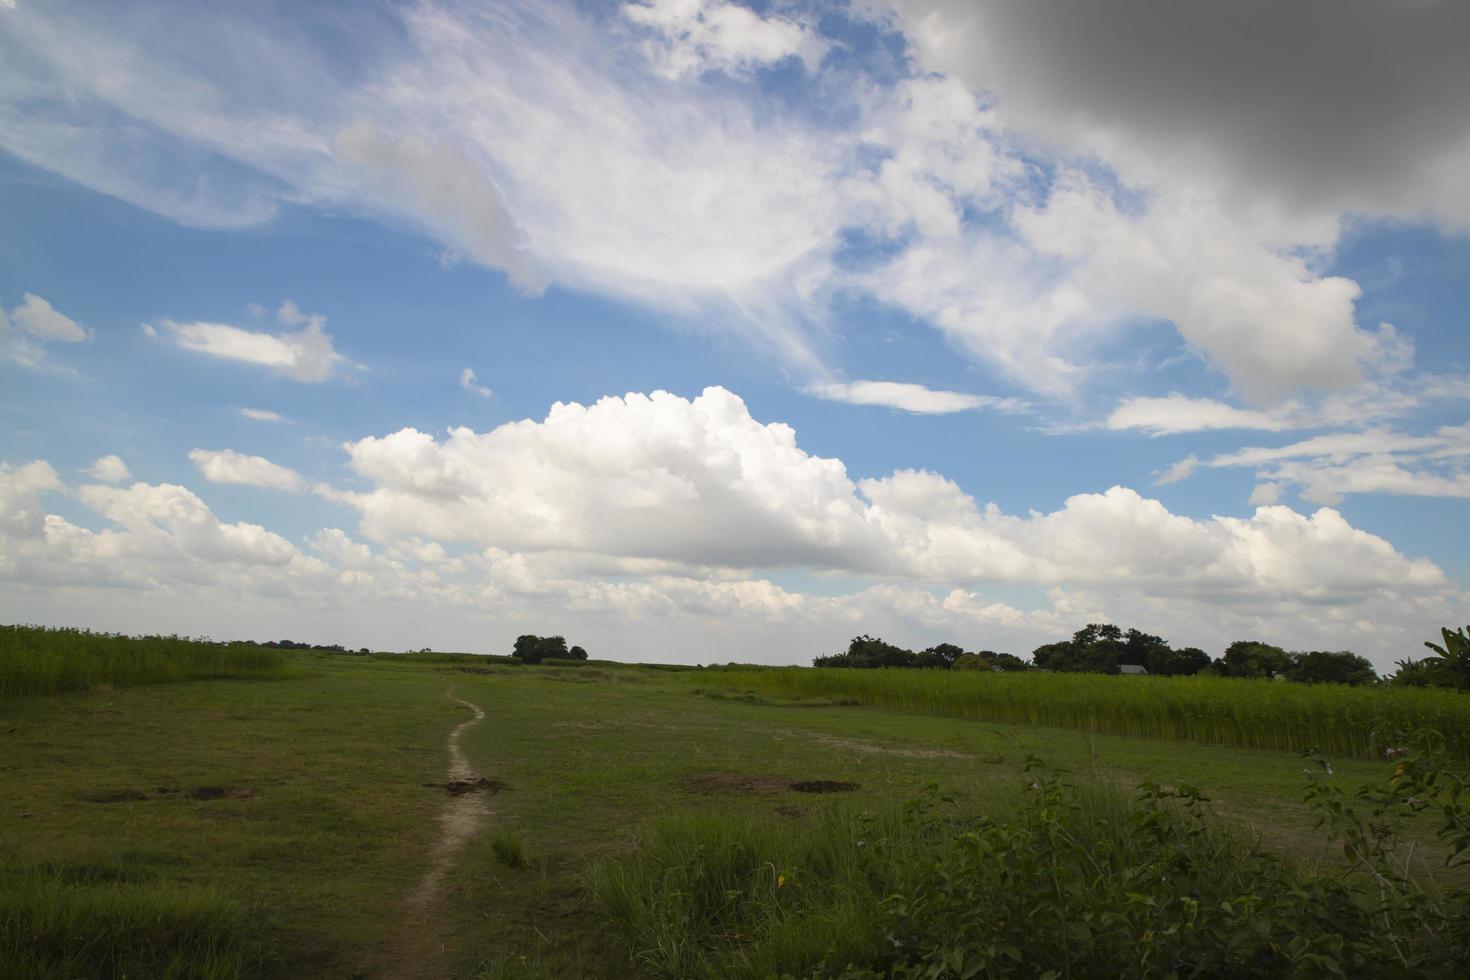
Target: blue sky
x: 699, y: 331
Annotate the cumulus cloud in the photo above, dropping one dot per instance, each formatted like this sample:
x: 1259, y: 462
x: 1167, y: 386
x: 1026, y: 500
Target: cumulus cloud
x: 471, y: 383
x: 907, y: 397
x: 701, y: 483
x: 656, y: 510
x: 109, y: 469
x: 691, y: 36
x: 228, y: 466
x: 302, y: 355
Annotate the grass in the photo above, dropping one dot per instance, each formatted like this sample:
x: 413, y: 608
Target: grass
x: 1076, y: 879
x: 509, y: 847
x: 308, y: 866
x: 68, y: 921
x: 40, y: 660
x: 1255, y: 714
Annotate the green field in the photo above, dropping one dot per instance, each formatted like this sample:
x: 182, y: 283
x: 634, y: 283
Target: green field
x: 639, y: 822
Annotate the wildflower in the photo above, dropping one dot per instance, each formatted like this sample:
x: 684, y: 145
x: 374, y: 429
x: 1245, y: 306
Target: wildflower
x: 780, y: 880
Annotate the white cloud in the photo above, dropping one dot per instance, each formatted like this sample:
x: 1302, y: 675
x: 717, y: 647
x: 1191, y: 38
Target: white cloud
x: 21, y: 514
x: 109, y: 469
x: 31, y: 325
x: 302, y: 355
x: 701, y: 483
x: 720, y: 205
x: 469, y: 382
x: 261, y: 415
x: 228, y: 466
x: 1178, y: 413
x: 41, y: 320
x: 1328, y: 467
x: 907, y: 397
x: 1266, y: 494
x: 1181, y: 470
x: 642, y: 516
x: 694, y: 36
x: 454, y: 194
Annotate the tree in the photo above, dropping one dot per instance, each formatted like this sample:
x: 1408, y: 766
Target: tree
x: 576, y: 653
x: 1252, y: 658
x: 1144, y: 649
x: 1184, y: 662
x: 1321, y: 666
x: 870, y: 652
x: 944, y: 653
x: 533, y: 649
x: 1456, y: 655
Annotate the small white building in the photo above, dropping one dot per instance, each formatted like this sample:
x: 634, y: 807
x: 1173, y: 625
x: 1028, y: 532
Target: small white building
x: 1132, y: 669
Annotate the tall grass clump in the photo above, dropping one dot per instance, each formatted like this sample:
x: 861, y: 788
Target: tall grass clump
x: 64, y: 923
x: 1333, y: 718
x: 43, y: 660
x: 1076, y: 880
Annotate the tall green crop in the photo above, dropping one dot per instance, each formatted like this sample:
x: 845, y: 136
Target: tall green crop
x: 40, y: 660
x: 1263, y: 714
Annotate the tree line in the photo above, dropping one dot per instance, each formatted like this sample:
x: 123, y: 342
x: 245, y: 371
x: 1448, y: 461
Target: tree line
x: 1103, y: 648
x: 533, y: 649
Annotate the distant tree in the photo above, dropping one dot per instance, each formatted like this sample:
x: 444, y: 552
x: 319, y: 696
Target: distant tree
x: 869, y: 652
x: 1144, y: 650
x: 1185, y: 661
x: 1252, y: 658
x: 1321, y: 666
x: 1054, y: 656
x: 945, y: 653
x: 990, y: 660
x: 533, y: 649
x: 577, y: 653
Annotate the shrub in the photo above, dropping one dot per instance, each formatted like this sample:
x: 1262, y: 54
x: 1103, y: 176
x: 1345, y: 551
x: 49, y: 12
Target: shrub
x: 1077, y: 880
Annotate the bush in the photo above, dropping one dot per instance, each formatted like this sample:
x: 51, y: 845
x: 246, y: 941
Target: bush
x: 1077, y: 880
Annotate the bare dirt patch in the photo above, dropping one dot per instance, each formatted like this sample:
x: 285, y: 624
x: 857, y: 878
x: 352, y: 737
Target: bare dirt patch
x: 459, y: 787
x: 729, y: 782
x: 169, y: 792
x: 823, y: 786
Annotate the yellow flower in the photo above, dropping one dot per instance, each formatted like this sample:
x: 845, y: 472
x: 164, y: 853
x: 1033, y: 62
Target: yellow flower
x: 780, y: 880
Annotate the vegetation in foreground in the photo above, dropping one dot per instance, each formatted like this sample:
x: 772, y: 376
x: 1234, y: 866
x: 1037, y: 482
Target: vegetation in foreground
x: 1075, y: 881
x: 45, y: 660
x: 282, y: 829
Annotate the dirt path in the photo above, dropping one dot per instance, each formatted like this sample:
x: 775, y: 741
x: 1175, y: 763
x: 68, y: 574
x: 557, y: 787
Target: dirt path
x: 415, y: 947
